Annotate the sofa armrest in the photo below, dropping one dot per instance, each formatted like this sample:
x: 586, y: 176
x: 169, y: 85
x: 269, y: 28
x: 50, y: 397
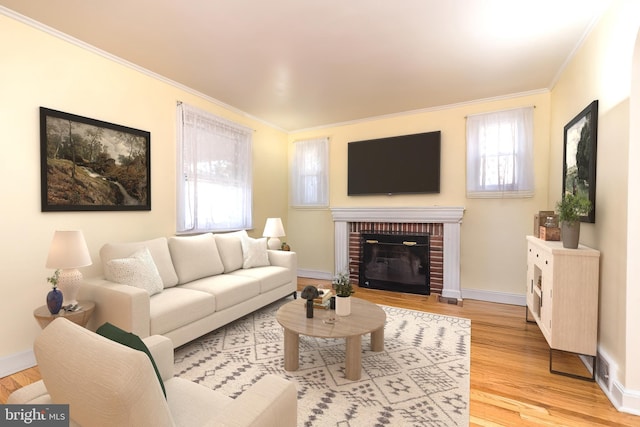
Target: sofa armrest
x: 285, y: 259
x: 126, y: 307
x: 271, y: 402
x: 161, y: 348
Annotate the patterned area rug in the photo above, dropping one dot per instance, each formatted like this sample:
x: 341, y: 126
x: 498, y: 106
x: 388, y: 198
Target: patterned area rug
x: 420, y: 379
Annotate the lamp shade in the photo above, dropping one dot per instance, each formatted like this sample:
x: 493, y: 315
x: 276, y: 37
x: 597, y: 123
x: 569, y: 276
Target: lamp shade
x: 68, y: 250
x: 273, y: 228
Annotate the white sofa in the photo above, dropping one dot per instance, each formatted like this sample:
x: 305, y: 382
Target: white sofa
x: 109, y: 384
x: 189, y: 286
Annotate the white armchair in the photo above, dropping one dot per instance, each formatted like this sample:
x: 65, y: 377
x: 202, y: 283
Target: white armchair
x: 107, y: 384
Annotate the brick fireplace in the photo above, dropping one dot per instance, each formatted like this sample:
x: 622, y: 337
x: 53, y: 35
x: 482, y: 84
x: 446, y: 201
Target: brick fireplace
x: 435, y: 232
x: 441, y: 223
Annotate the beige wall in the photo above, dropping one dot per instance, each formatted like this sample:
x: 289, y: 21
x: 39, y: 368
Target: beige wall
x: 41, y: 70
x: 632, y: 377
x: 493, y: 243
x: 601, y: 70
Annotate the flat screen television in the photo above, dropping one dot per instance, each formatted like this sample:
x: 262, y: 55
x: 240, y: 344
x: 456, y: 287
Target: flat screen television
x: 395, y: 165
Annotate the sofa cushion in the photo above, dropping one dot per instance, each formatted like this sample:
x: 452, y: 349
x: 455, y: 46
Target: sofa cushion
x: 159, y: 250
x: 229, y: 289
x: 270, y: 277
x: 130, y: 340
x: 176, y: 307
x: 195, y: 257
x: 254, y: 252
x: 230, y: 249
x: 138, y: 270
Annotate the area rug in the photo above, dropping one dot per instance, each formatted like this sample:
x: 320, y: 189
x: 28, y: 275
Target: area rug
x: 420, y: 379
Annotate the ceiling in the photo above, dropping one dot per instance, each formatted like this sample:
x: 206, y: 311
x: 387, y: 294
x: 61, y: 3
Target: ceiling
x: 299, y: 64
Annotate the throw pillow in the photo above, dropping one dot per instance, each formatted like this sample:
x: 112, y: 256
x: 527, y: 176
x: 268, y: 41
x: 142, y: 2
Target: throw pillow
x: 254, y: 252
x: 138, y: 270
x: 195, y: 257
x: 158, y: 248
x: 230, y: 249
x: 130, y: 340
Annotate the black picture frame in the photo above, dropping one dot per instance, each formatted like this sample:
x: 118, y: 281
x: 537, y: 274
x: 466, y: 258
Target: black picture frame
x: 91, y: 165
x: 579, y: 157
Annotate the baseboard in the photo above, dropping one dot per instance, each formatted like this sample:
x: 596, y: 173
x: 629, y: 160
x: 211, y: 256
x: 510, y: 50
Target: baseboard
x: 16, y: 362
x: 492, y: 296
x: 315, y: 274
x: 624, y: 400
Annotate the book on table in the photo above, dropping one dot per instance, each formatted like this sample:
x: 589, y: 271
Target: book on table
x: 323, y: 305
x: 323, y: 300
x: 324, y: 295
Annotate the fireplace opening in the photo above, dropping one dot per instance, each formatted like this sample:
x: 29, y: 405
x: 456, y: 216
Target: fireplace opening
x: 395, y: 261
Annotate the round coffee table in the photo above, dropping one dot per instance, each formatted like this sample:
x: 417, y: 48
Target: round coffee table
x: 365, y: 318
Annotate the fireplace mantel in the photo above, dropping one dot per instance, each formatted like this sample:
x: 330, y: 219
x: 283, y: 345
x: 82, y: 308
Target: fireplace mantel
x: 450, y: 216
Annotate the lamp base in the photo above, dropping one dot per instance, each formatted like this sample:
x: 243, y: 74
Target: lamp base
x: 274, y: 243
x: 69, y: 284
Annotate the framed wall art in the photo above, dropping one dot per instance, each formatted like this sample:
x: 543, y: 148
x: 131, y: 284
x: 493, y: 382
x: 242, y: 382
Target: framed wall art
x: 91, y: 165
x: 579, y: 166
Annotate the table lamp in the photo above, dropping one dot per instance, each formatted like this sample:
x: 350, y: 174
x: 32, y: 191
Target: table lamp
x: 67, y: 252
x: 273, y: 229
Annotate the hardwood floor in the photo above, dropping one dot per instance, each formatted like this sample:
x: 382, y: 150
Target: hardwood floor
x: 510, y: 380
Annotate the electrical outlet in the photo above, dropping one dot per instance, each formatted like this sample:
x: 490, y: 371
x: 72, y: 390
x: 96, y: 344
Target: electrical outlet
x: 603, y: 371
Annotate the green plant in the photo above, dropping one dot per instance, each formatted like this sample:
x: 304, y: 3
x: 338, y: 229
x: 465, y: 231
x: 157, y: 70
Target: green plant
x: 342, y: 284
x: 54, y: 279
x: 572, y: 207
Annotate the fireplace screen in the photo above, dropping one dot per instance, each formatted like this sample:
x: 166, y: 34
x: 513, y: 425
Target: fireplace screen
x: 396, y: 262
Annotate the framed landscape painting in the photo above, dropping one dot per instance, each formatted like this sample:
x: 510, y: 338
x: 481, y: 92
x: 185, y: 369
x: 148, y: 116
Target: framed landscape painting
x: 91, y: 165
x: 579, y: 167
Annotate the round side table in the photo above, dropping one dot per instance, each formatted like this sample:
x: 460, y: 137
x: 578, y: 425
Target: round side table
x: 81, y: 316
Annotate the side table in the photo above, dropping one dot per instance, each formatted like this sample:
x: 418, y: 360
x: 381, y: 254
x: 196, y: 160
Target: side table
x: 80, y: 317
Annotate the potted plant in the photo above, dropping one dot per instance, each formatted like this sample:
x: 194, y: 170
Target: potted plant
x: 570, y: 209
x: 344, y: 289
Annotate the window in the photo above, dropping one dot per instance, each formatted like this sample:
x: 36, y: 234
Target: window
x: 309, y: 173
x: 500, y: 154
x: 214, y: 188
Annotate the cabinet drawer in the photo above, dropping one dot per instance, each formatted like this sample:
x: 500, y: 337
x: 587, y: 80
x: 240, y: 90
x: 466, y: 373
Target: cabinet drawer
x: 539, y: 257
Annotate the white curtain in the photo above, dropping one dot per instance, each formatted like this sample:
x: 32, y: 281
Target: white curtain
x: 500, y: 154
x: 310, y: 174
x: 214, y: 188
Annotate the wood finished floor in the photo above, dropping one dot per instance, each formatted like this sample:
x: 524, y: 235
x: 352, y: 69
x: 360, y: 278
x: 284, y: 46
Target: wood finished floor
x: 510, y: 380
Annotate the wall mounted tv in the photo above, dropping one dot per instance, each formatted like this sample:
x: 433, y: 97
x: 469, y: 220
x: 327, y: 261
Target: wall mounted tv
x: 395, y: 165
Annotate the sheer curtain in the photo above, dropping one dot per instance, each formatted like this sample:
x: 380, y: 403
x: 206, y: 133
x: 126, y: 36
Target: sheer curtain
x: 310, y: 174
x: 500, y: 154
x: 214, y: 188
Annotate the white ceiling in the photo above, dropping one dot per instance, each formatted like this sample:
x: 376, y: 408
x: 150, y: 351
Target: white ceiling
x: 306, y: 63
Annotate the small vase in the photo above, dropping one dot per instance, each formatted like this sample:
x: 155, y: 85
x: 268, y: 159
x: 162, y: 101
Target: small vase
x: 343, y: 306
x: 54, y: 301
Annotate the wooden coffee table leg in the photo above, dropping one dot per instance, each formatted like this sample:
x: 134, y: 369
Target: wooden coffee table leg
x: 353, y: 363
x: 291, y: 350
x: 377, y: 340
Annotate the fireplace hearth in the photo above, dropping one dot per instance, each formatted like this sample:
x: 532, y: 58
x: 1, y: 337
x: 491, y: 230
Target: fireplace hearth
x: 395, y: 261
